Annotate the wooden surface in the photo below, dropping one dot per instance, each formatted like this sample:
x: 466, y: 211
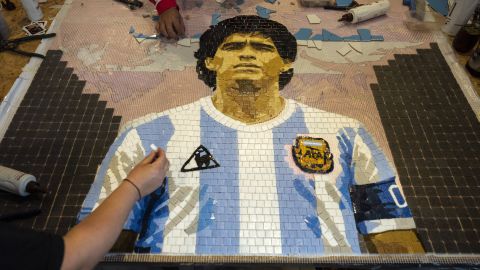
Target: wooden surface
x: 12, y: 63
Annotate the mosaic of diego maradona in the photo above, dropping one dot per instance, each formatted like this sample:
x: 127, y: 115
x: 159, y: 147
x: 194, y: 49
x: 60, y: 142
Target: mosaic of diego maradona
x: 254, y: 173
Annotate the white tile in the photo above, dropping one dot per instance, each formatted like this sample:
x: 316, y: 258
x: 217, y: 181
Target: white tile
x: 313, y: 19
x: 302, y: 42
x: 357, y: 46
x: 344, y: 50
x: 318, y: 44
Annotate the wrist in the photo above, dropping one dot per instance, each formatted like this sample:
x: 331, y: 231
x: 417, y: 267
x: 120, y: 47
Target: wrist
x: 131, y: 188
x: 164, y: 5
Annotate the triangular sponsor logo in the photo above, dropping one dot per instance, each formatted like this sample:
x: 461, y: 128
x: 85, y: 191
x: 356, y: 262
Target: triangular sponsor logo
x: 201, y: 159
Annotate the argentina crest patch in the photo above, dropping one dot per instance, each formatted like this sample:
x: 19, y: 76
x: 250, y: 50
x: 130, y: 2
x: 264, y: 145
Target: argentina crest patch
x: 312, y: 155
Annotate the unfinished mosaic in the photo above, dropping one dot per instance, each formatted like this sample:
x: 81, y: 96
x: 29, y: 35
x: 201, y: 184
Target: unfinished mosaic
x: 288, y: 178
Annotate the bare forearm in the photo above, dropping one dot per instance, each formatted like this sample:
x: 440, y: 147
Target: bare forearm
x: 88, y: 242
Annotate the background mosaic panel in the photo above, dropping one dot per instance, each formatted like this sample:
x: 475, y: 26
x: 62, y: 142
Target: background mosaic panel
x: 435, y: 140
x: 59, y: 135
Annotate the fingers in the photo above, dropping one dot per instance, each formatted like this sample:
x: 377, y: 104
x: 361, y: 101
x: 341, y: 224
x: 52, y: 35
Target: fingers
x: 161, y: 161
x: 149, y: 159
x: 162, y: 29
x: 170, y: 30
x: 179, y: 26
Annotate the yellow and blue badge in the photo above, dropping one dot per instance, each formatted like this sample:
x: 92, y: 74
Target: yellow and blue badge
x: 312, y: 155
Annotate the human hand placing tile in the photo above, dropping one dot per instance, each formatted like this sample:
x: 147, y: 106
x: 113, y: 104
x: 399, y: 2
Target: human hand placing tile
x: 150, y: 173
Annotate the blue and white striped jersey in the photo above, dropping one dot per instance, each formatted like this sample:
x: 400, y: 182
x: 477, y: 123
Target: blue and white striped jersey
x: 304, y: 183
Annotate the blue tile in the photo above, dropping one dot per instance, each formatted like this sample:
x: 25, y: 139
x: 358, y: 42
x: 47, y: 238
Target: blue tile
x: 329, y: 36
x: 303, y: 34
x: 264, y: 12
x: 352, y: 38
x: 343, y: 3
x: 215, y: 18
x: 365, y: 34
x: 377, y: 38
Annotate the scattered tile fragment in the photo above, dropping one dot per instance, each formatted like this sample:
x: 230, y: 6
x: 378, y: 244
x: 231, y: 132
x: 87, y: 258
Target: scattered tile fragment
x: 317, y: 37
x: 215, y: 18
x: 357, y: 46
x: 302, y: 42
x: 271, y: 1
x: 313, y: 19
x: 352, y: 38
x: 186, y: 42
x: 344, y: 50
x: 264, y: 12
x: 365, y: 34
x: 377, y: 38
x: 329, y: 36
x: 318, y: 44
x: 132, y: 30
x: 303, y: 34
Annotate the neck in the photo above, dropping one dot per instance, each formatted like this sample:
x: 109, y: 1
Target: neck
x: 249, y: 103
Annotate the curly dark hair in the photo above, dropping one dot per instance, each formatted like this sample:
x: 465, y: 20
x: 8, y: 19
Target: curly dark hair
x: 284, y: 41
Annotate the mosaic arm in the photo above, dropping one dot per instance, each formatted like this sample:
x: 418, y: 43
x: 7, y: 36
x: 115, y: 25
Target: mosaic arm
x: 381, y: 211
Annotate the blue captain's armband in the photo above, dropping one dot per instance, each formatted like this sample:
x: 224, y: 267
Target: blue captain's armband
x: 380, y: 207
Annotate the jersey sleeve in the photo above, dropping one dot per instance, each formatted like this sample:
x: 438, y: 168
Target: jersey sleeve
x: 123, y: 155
x: 162, y: 5
x: 377, y: 200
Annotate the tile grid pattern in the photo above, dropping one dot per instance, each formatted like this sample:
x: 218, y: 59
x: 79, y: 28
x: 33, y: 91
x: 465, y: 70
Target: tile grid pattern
x: 435, y: 140
x: 60, y: 136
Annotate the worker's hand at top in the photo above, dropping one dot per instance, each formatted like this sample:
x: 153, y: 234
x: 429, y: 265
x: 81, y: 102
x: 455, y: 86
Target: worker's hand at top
x: 170, y: 24
x: 149, y: 174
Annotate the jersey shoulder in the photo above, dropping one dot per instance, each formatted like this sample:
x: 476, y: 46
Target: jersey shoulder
x: 315, y: 117
x: 152, y: 119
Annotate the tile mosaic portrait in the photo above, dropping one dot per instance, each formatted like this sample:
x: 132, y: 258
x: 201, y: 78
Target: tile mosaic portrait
x: 265, y: 174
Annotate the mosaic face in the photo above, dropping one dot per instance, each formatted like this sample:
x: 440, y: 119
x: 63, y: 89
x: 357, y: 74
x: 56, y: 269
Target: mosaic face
x: 250, y: 57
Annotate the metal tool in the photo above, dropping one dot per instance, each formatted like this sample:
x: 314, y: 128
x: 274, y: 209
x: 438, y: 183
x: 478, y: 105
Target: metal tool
x: 132, y: 4
x: 11, y: 45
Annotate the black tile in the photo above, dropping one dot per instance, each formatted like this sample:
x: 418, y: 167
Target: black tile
x: 435, y: 136
x: 51, y: 127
